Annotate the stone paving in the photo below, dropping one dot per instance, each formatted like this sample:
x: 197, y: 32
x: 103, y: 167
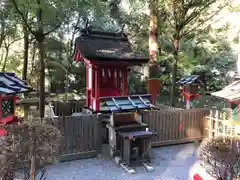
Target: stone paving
x: 170, y: 163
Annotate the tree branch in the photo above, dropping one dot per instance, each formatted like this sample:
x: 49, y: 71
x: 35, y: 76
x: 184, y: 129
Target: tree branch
x: 54, y: 29
x: 73, y: 34
x: 23, y: 17
x: 196, y: 13
x: 15, y: 40
x: 203, y: 22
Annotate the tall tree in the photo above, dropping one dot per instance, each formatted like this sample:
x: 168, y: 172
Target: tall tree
x: 7, y: 45
x: 2, y: 34
x: 187, y: 18
x: 153, y: 38
x: 26, y: 51
x: 151, y: 69
x: 48, y: 15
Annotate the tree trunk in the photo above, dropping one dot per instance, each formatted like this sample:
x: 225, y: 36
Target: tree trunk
x: 5, y: 59
x: 40, y: 39
x: 174, y: 70
x: 42, y: 79
x: 1, y: 60
x: 33, y: 65
x: 66, y: 85
x: 153, y: 44
x: 25, y: 54
x: 2, y: 34
x: 33, y: 168
x: 25, y: 64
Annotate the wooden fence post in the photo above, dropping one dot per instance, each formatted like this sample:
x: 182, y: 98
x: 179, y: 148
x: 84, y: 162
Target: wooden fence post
x: 223, y: 124
x: 210, y: 125
x: 216, y: 123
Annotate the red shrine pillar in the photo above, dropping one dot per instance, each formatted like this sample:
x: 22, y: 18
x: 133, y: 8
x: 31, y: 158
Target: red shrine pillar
x: 87, y: 98
x: 89, y: 80
x: 97, y: 88
x: 125, y: 82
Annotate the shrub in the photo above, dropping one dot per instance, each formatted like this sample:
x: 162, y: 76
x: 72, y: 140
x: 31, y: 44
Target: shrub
x: 220, y: 156
x: 29, y: 146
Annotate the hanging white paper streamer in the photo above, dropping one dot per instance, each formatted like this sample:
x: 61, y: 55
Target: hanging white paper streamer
x: 94, y: 104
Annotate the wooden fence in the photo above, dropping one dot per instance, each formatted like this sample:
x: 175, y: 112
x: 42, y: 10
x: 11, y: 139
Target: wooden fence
x: 68, y: 108
x: 81, y: 136
x: 61, y: 108
x: 218, y: 124
x: 174, y: 126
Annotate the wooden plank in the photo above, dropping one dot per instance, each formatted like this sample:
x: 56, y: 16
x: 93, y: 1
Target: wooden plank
x: 84, y: 130
x: 175, y: 142
x: 180, y: 134
x: 79, y: 155
x: 65, y: 127
x: 155, y: 122
x: 81, y: 143
x: 74, y: 134
x: 176, y: 122
x: 63, y: 142
x: 161, y: 129
x: 164, y: 118
x: 98, y: 135
x: 91, y: 132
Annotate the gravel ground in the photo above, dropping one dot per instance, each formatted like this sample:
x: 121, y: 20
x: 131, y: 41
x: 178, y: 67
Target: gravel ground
x: 170, y: 163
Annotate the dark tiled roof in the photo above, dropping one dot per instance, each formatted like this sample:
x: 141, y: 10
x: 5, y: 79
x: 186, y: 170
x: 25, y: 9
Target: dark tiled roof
x: 11, y: 84
x: 189, y: 79
x: 99, y: 45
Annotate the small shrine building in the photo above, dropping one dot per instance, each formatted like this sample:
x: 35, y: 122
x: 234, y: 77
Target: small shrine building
x: 231, y: 95
x: 189, y: 89
x: 10, y: 86
x: 108, y: 57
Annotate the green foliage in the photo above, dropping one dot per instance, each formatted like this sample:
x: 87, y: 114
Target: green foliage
x: 135, y: 84
x: 203, y: 49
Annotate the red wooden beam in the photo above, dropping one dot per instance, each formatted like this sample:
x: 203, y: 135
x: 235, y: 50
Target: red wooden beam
x: 87, y: 85
x: 97, y: 89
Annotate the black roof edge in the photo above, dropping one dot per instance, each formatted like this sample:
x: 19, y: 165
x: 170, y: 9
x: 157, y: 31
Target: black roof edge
x: 140, y: 59
x: 103, y: 34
